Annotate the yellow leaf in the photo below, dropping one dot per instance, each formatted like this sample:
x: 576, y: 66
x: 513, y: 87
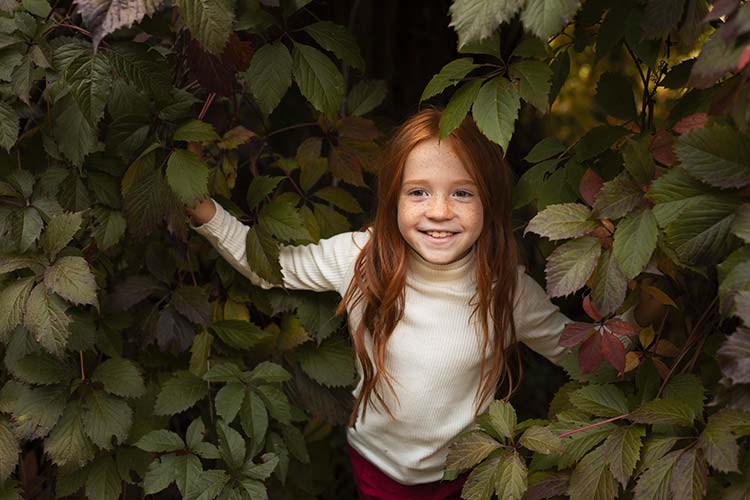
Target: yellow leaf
x: 657, y: 294
x: 632, y: 360
x: 646, y: 336
x: 235, y: 310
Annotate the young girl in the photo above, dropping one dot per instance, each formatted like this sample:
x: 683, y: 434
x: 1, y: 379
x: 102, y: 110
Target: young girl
x: 435, y: 298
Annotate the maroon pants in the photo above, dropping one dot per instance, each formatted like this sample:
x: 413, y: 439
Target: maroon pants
x: 373, y: 484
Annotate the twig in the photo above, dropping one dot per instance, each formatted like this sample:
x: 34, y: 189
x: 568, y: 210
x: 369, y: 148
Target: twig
x: 592, y: 426
x: 290, y: 127
x: 206, y: 105
x: 83, y: 373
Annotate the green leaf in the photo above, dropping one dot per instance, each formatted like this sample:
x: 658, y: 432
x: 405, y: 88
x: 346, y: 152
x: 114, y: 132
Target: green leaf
x: 37, y: 410
x: 621, y: 451
x: 186, y: 469
x: 239, y: 334
x: 276, y: 402
x: 269, y: 372
x: 598, y: 140
x: 475, y: 20
x: 503, y: 418
x: 254, y: 420
x: 741, y: 225
x: 654, y: 483
x: 480, y: 484
x: 661, y: 17
x: 209, y: 21
x: 337, y: 39
x: 489, y: 46
x: 664, y: 411
x: 71, y: 278
x: 9, y: 450
x: 160, y: 474
x: 231, y: 445
x: 283, y: 221
x: 195, y: 432
x: 545, y: 149
x: 718, y: 155
x: 192, y: 302
x: 600, y: 400
x: 701, y: 232
x: 103, y: 481
x: 617, y: 197
x: 635, y: 241
x: 103, y: 19
x: 592, y: 479
x: 331, y: 363
x: 469, y: 449
x: 690, y: 475
x: 318, y: 79
x: 459, y: 106
x: 495, y: 110
x: 541, y: 440
x: 545, y: 18
x: 229, y: 400
x: 207, y: 485
x: 179, y: 393
x: 104, y: 417
x: 31, y: 228
x: 571, y: 264
x: 366, y: 96
x: 688, y: 388
x: 535, y: 80
x: 654, y: 449
x: 261, y: 471
x: 269, y: 75
x: 260, y: 187
x: 13, y: 299
x: 720, y: 446
x: 67, y: 444
x: 160, y: 441
x: 74, y: 135
x: 199, y: 353
x: 8, y: 126
x: 296, y: 444
x: 60, y: 231
x: 144, y: 194
x: 196, y: 131
x: 340, y: 198
x: 90, y: 79
x: 614, y: 94
x: 638, y: 161
x: 511, y: 477
x: 46, y: 319
x: 120, y: 377
x: 450, y: 75
x: 674, y: 192
x: 187, y: 175
x: 609, y: 285
x: 562, y: 221
x: 263, y: 254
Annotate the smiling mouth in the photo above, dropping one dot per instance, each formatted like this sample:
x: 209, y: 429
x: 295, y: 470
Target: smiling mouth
x: 438, y: 234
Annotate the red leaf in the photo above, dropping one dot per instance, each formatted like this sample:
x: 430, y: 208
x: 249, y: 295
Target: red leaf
x: 666, y: 348
x: 661, y: 148
x: 613, y: 351
x: 590, y: 185
x: 590, y: 354
x: 575, y: 333
x: 690, y: 122
x: 744, y: 59
x: 621, y: 327
x: 590, y: 308
x: 218, y: 74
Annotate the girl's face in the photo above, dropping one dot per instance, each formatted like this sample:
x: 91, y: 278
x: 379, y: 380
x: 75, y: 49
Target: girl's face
x: 440, y: 214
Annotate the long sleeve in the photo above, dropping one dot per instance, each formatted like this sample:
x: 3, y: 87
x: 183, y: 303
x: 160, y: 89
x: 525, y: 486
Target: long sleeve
x: 539, y: 322
x: 323, y: 266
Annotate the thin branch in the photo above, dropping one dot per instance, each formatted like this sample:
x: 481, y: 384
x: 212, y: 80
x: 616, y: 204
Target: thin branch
x: 83, y: 373
x: 290, y: 127
x: 592, y: 426
x: 206, y: 105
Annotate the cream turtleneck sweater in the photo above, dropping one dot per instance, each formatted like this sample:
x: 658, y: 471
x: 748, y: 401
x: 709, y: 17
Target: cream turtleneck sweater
x: 433, y: 354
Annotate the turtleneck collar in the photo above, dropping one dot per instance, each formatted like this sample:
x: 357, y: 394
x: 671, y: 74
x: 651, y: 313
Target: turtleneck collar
x: 425, y: 271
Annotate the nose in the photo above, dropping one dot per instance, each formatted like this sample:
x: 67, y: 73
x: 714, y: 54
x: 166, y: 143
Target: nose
x: 439, y: 208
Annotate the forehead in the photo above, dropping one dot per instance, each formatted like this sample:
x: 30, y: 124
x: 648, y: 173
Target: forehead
x: 435, y: 160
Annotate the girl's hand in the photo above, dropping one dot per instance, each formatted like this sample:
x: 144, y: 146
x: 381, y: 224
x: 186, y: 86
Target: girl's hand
x: 648, y: 309
x: 203, y: 211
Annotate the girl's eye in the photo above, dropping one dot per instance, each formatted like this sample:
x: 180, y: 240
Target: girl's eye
x: 416, y: 192
x: 463, y: 194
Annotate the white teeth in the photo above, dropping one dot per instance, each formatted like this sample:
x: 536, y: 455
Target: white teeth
x: 441, y: 234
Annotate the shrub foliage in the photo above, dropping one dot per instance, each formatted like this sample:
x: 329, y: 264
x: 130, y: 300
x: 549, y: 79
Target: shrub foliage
x: 137, y: 362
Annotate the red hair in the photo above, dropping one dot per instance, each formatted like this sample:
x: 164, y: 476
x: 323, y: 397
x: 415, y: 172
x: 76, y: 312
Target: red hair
x: 378, y: 284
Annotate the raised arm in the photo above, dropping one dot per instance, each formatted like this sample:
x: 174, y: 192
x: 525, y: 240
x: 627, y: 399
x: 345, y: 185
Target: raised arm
x: 323, y: 266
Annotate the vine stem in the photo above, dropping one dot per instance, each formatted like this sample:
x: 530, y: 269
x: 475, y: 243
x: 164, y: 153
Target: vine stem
x: 592, y: 426
x: 83, y: 373
x: 206, y: 105
x: 290, y: 127
x: 688, y: 344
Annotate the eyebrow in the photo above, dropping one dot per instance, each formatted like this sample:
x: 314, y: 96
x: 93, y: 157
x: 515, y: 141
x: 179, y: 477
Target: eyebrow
x: 427, y: 181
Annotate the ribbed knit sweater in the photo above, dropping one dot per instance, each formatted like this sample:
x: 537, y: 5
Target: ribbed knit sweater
x: 433, y: 355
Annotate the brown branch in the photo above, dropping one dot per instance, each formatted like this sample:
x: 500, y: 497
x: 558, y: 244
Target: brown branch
x: 592, y: 426
x: 83, y: 373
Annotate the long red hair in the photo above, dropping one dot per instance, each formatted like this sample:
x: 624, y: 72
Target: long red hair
x: 378, y: 284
